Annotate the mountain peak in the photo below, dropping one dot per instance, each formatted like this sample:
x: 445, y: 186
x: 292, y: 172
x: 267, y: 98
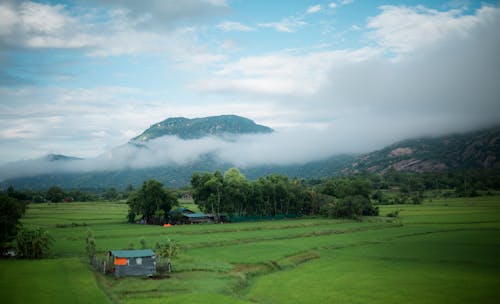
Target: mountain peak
x: 60, y: 157
x: 195, y: 128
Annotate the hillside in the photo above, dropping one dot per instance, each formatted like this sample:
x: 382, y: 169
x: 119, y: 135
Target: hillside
x: 200, y: 127
x: 173, y: 176
x: 479, y: 149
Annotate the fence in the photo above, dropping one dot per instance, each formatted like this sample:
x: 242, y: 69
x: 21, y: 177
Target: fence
x: 103, y: 265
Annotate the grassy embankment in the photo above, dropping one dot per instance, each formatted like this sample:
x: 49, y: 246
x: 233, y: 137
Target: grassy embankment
x: 441, y: 251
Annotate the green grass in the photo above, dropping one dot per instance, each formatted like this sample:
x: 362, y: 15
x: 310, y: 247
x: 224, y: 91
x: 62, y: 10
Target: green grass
x: 48, y: 281
x: 430, y: 268
x: 444, y: 251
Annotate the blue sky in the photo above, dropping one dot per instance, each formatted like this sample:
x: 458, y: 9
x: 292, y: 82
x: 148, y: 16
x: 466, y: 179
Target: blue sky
x: 82, y: 77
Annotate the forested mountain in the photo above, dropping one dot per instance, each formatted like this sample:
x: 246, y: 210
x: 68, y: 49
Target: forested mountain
x: 200, y: 127
x: 479, y: 149
x: 173, y: 176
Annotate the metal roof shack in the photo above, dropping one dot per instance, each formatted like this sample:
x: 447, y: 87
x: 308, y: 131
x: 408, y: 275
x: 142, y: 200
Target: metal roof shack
x: 194, y: 218
x: 134, y: 262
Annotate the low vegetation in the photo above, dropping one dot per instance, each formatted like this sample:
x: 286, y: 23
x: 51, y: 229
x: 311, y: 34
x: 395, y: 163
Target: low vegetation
x: 444, y: 250
x: 349, y: 234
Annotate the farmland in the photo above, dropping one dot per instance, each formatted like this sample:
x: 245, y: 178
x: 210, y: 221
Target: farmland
x: 441, y: 251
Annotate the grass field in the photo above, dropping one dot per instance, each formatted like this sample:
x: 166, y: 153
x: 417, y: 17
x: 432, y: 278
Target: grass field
x: 444, y: 251
x: 64, y: 280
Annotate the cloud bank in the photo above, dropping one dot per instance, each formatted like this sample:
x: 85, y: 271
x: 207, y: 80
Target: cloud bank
x: 287, y: 147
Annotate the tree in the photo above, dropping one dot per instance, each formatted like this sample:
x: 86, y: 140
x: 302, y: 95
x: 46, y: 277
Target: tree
x: 150, y: 200
x: 55, y: 194
x: 236, y: 191
x: 350, y: 207
x: 90, y: 247
x: 33, y: 242
x: 208, y: 191
x: 111, y: 194
x: 11, y: 210
x: 343, y: 187
x: 166, y: 251
x: 214, y: 184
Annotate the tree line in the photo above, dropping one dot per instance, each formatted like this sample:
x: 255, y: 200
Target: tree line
x: 231, y: 193
x: 56, y: 194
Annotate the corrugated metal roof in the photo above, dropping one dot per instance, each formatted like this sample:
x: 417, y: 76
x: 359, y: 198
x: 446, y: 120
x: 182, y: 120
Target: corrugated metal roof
x: 132, y: 253
x: 196, y: 215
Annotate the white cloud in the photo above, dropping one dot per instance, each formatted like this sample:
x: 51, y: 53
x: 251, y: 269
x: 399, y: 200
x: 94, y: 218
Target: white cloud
x: 443, y: 81
x: 113, y: 32
x: 234, y: 26
x: 36, y: 25
x: 334, y: 5
x: 406, y: 29
x: 314, y: 9
x: 355, y: 27
x: 163, y: 13
x: 229, y: 45
x: 222, y: 3
x: 287, y: 25
x: 280, y: 74
x: 81, y: 116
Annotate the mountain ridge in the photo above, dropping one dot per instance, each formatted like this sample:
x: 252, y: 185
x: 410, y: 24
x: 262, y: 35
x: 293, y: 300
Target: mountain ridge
x: 476, y: 149
x: 195, y: 128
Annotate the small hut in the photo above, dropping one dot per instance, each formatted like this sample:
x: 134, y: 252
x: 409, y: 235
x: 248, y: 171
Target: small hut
x: 134, y: 262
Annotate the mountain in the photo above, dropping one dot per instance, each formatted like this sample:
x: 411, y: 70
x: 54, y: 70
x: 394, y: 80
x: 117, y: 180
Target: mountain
x: 200, y: 127
x: 60, y: 157
x: 173, y: 176
x: 478, y: 149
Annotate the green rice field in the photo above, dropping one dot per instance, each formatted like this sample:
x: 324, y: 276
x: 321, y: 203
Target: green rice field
x: 443, y: 251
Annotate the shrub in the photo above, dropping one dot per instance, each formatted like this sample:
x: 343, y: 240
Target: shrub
x: 33, y: 242
x: 394, y: 213
x: 350, y: 207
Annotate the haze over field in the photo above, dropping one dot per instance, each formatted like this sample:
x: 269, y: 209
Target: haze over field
x: 82, y: 78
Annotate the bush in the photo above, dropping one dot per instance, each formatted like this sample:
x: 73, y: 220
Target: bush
x: 166, y: 251
x: 350, y: 207
x: 394, y: 213
x: 33, y: 242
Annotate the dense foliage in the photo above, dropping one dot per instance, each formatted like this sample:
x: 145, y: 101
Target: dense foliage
x: 33, y: 242
x: 11, y: 211
x: 351, y: 198
x: 152, y: 202
x: 233, y: 194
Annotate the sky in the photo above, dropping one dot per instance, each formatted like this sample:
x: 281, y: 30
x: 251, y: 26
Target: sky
x: 82, y: 78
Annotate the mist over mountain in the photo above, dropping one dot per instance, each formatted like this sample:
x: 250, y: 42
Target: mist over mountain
x: 172, y: 150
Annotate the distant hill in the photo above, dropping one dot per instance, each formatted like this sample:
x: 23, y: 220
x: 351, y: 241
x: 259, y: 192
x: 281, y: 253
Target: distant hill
x: 60, y: 157
x: 479, y: 149
x: 200, y: 127
x: 173, y: 176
